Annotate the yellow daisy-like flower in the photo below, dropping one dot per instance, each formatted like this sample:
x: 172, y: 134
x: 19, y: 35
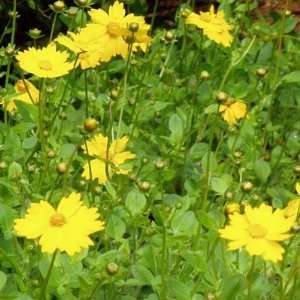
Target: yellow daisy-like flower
x: 232, y: 208
x: 214, y: 26
x: 107, y: 159
x: 292, y: 210
x: 66, y: 228
x: 83, y: 45
x: 258, y: 230
x: 26, y: 92
x: 111, y: 29
x: 233, y: 111
x: 46, y: 62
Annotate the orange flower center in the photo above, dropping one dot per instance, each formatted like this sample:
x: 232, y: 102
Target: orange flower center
x: 45, y: 65
x: 257, y: 231
x: 20, y: 86
x: 113, y: 29
x: 57, y: 220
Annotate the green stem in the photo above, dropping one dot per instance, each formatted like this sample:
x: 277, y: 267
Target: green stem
x: 249, y: 278
x: 46, y: 281
x: 163, y: 295
x: 154, y: 12
x: 124, y: 90
x: 86, y: 94
x: 53, y: 27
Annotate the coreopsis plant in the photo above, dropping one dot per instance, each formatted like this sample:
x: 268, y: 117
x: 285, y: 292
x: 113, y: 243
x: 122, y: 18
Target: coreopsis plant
x: 213, y: 24
x: 66, y: 228
x: 46, y: 62
x: 259, y: 230
x: 107, y: 159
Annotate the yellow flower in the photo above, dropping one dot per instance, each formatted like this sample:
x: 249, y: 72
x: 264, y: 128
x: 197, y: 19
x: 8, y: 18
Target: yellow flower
x: 233, y: 111
x: 26, y: 92
x: 66, y: 228
x: 259, y: 230
x: 297, y: 187
x: 45, y: 63
x: 111, y: 29
x: 292, y: 210
x: 83, y: 45
x: 107, y: 159
x: 214, y: 26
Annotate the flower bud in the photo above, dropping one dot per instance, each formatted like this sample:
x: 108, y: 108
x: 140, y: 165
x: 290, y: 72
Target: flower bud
x: 134, y: 27
x: 63, y: 115
x: 145, y: 186
x: 160, y: 164
x: 145, y: 160
x: 90, y: 124
x: 72, y: 11
x: 82, y: 3
x: 221, y: 96
x: 114, y: 93
x: 35, y: 33
x: 10, y: 50
x: 237, y: 154
x: 185, y: 13
x: 3, y: 165
x: 51, y: 154
x: 58, y: 6
x: 112, y: 268
x: 169, y: 36
x: 62, y: 168
x: 31, y: 168
x: 261, y: 72
x: 204, y: 75
x: 297, y: 169
x: 247, y: 186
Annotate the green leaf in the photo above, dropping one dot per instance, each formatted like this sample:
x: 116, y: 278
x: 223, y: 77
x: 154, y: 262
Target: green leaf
x: 115, y: 227
x: 179, y: 290
x: 221, y: 184
x: 135, y: 202
x: 29, y: 143
x: 184, y: 224
x: 14, y: 170
x: 176, y: 127
x: 292, y: 77
x: 142, y: 274
x: 3, y: 279
x: 262, y: 170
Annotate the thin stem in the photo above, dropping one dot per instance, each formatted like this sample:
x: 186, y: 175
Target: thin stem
x: 86, y: 94
x: 124, y: 90
x: 249, y: 278
x: 53, y: 27
x: 154, y: 12
x: 46, y: 281
x: 163, y: 295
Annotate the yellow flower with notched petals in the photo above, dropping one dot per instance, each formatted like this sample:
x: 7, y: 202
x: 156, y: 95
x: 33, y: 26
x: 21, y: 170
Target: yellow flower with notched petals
x: 107, y: 160
x: 110, y: 30
x: 258, y: 230
x: 46, y: 62
x: 214, y: 26
x: 25, y: 92
x: 66, y: 228
x: 233, y: 111
x: 297, y: 187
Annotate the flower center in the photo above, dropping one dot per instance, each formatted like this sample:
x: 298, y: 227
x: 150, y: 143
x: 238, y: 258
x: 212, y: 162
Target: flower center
x: 57, y: 220
x: 45, y: 65
x: 257, y: 231
x: 114, y: 29
x: 21, y: 88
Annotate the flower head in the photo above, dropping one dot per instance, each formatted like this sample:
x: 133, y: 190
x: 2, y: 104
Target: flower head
x: 83, y: 45
x: 111, y: 30
x: 233, y: 111
x: 66, y: 228
x: 25, y: 92
x: 46, y: 62
x: 107, y: 160
x: 259, y: 230
x: 214, y: 26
